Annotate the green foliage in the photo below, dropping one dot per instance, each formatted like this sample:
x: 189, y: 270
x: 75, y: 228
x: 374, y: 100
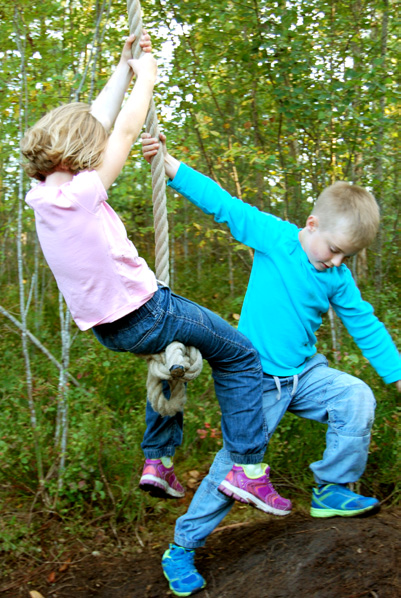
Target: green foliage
x: 12, y: 535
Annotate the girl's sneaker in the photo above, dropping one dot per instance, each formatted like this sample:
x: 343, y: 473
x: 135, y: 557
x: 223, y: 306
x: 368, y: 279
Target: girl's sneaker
x: 160, y: 481
x: 332, y: 500
x: 258, y: 492
x: 180, y: 571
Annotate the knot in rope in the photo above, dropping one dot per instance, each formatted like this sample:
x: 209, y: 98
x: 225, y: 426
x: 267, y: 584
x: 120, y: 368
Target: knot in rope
x: 187, y: 361
x: 177, y: 364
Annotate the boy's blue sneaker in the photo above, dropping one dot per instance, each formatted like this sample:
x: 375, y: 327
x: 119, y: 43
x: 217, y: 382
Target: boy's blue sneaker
x: 179, y: 569
x: 333, y: 500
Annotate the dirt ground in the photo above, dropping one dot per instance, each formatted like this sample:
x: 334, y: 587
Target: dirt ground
x: 290, y: 557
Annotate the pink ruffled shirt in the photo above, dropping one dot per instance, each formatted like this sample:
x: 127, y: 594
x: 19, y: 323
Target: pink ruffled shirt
x: 96, y: 266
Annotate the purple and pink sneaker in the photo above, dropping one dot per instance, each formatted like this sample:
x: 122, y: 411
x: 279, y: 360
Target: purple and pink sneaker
x: 258, y: 492
x: 160, y: 481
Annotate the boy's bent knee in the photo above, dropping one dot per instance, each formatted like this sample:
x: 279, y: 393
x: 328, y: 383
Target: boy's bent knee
x: 352, y: 412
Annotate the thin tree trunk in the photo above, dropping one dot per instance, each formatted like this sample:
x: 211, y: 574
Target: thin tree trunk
x: 39, y: 345
x: 230, y: 267
x: 97, y: 41
x: 23, y: 307
x: 378, y: 167
x: 61, y: 433
x: 93, y: 54
x: 334, y: 343
x: 172, y: 250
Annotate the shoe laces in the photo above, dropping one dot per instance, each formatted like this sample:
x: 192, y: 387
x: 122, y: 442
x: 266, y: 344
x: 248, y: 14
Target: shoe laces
x: 265, y: 481
x: 184, y: 560
x: 273, y: 491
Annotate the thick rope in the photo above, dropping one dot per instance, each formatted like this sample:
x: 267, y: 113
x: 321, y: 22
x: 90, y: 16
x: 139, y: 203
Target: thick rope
x: 177, y: 364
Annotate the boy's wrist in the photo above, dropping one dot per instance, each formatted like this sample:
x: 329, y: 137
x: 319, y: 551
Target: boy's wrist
x: 171, y: 165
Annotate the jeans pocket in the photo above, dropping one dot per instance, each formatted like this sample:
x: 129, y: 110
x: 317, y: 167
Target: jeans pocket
x: 140, y: 335
x: 131, y: 332
x: 142, y: 339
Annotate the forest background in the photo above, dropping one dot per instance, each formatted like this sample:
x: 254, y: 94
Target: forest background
x: 274, y: 100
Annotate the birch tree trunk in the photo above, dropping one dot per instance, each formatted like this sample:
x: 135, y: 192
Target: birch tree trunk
x: 61, y: 433
x: 378, y: 160
x: 24, y: 306
x: 333, y: 330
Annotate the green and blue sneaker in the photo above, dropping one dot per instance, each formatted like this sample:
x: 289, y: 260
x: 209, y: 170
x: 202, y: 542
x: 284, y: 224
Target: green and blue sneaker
x: 331, y: 500
x: 180, y: 571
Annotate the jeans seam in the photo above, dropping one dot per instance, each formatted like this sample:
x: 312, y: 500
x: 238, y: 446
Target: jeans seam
x: 167, y: 451
x: 144, y: 338
x: 316, y: 365
x: 251, y: 349
x: 195, y: 322
x: 141, y: 321
x: 323, y: 394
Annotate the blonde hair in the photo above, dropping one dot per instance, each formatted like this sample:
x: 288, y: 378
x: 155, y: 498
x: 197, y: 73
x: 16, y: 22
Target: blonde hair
x: 351, y: 209
x: 68, y: 138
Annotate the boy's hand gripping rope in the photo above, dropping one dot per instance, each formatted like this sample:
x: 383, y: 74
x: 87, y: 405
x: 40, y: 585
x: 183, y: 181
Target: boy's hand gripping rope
x: 177, y: 364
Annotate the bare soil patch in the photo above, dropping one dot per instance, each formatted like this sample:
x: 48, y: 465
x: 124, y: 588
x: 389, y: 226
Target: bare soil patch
x: 292, y: 557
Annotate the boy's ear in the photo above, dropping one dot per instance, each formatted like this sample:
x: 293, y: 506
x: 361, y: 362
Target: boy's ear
x: 312, y: 223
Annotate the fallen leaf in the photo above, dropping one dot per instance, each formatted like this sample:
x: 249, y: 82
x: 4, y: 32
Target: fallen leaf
x: 51, y: 578
x: 65, y: 565
x: 192, y: 483
x: 35, y: 594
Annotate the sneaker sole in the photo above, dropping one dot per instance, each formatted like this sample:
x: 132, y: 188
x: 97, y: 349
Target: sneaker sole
x: 176, y: 593
x: 324, y: 513
x: 158, y: 487
x: 234, y: 492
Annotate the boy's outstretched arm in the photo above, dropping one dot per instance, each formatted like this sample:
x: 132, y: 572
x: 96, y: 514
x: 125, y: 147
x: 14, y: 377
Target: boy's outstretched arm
x: 150, y: 147
x: 248, y: 225
x: 108, y: 103
x: 130, y: 120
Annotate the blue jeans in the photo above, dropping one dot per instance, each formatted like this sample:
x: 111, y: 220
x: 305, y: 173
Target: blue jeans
x: 344, y: 403
x: 235, y: 364
x: 162, y: 434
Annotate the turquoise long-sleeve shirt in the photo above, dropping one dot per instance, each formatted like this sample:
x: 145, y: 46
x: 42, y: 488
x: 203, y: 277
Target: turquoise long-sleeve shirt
x: 286, y: 296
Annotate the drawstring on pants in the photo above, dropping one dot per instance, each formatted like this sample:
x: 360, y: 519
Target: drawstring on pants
x: 294, y: 385
x: 278, y: 386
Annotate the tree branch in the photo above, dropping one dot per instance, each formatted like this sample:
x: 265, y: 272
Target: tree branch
x: 38, y: 344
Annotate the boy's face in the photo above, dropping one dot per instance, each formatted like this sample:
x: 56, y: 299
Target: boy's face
x: 325, y: 248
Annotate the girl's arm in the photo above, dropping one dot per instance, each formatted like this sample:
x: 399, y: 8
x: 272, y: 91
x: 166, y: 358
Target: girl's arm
x: 108, y: 103
x: 130, y: 119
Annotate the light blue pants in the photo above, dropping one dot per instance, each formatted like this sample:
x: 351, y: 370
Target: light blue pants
x: 342, y: 402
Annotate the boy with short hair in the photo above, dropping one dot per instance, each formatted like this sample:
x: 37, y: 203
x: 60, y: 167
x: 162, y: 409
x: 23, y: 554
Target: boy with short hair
x: 296, y: 275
